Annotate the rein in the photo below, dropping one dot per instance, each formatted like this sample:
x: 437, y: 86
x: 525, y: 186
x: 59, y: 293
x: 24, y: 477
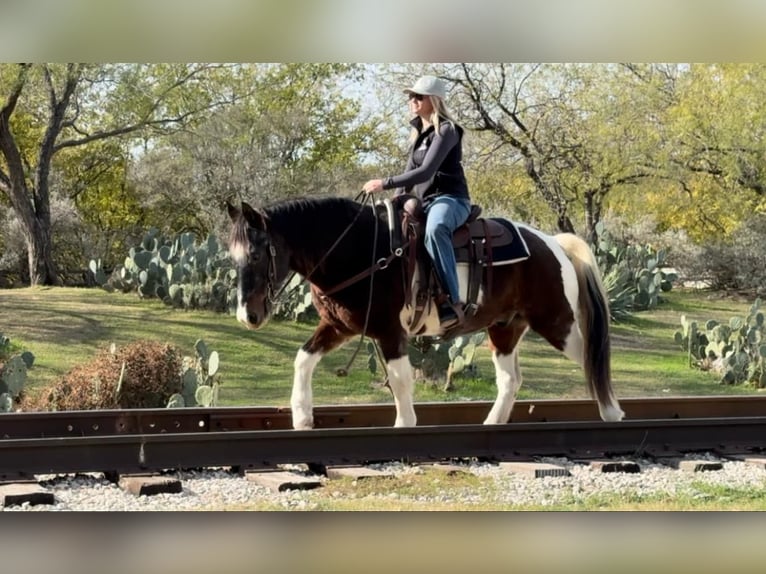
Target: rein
x: 376, y: 265
x: 273, y: 298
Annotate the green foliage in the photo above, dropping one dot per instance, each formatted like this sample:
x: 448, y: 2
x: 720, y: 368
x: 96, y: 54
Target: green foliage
x: 634, y: 275
x: 182, y: 272
x: 692, y: 340
x: 13, y: 373
x: 200, y: 380
x: 736, y: 350
x: 437, y: 360
x: 295, y: 303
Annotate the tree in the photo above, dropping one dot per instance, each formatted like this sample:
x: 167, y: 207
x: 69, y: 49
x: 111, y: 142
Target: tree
x: 579, y: 131
x: 715, y: 133
x: 47, y: 108
x: 299, y: 132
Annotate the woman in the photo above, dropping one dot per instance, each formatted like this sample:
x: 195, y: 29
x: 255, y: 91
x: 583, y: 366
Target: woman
x: 435, y: 174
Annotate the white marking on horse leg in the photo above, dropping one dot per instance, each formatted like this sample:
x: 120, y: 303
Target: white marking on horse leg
x: 301, y: 400
x: 611, y: 413
x: 402, y: 383
x: 508, y: 380
x: 574, y: 348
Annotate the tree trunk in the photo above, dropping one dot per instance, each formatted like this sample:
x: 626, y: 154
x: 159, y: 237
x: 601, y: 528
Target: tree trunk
x: 42, y: 269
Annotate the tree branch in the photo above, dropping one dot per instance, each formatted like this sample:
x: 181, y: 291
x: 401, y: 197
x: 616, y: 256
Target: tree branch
x: 13, y: 97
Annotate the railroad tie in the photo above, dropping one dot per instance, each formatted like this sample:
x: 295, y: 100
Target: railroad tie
x: 693, y: 465
x: 18, y: 493
x: 626, y: 466
x: 534, y: 469
x: 149, y: 485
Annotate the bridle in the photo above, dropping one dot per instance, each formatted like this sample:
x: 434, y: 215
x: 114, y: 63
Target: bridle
x: 271, y: 279
x: 273, y: 295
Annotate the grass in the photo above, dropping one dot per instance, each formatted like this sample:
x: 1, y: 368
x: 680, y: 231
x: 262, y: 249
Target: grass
x: 467, y: 492
x: 66, y: 326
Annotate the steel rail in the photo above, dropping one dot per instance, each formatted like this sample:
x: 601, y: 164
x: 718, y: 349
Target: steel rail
x: 189, y: 420
x: 264, y: 449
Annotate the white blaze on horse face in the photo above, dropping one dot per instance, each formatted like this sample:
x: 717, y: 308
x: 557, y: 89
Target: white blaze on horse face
x: 402, y: 382
x: 238, y: 253
x: 241, y: 309
x: 302, y: 399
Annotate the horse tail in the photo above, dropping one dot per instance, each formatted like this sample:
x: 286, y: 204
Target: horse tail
x: 593, y: 303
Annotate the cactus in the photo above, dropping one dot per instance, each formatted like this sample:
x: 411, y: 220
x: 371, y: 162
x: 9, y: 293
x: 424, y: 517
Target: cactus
x: 735, y: 349
x: 692, y: 341
x: 13, y: 373
x: 180, y: 271
x: 436, y: 359
x: 199, y: 379
x: 176, y: 401
x: 634, y: 275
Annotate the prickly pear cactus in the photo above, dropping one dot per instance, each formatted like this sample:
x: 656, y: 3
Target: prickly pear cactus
x: 199, y: 379
x: 13, y: 375
x: 736, y: 350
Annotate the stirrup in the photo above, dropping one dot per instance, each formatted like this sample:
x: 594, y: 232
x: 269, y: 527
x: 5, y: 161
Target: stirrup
x: 452, y: 323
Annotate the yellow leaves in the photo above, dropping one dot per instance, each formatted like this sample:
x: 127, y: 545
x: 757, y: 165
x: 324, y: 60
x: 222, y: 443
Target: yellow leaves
x: 704, y: 210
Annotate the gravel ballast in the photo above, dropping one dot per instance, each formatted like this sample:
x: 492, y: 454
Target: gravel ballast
x: 219, y: 489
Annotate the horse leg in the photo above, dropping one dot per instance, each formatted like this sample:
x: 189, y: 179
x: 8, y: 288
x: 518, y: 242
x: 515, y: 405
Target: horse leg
x: 503, y: 341
x: 400, y: 378
x: 574, y: 349
x: 325, y: 339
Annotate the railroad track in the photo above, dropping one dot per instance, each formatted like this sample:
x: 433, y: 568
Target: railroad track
x: 151, y: 440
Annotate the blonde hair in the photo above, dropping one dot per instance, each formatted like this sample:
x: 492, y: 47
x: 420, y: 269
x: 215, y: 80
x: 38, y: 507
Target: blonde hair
x: 440, y: 111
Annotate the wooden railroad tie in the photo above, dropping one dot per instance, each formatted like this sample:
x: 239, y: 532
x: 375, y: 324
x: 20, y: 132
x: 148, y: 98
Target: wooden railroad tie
x: 534, y: 469
x: 18, y: 493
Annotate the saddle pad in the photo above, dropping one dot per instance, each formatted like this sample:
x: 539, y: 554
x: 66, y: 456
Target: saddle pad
x: 512, y: 252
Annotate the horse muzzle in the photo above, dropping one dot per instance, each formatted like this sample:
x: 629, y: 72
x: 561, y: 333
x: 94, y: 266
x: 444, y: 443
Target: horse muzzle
x: 250, y: 318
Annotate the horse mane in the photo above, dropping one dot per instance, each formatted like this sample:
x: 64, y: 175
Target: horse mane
x: 308, y: 208
x: 320, y: 221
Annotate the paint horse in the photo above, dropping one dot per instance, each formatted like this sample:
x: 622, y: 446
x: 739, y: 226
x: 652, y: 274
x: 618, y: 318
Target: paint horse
x: 556, y: 291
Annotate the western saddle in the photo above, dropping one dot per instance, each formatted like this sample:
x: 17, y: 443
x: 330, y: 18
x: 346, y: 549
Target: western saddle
x: 473, y: 243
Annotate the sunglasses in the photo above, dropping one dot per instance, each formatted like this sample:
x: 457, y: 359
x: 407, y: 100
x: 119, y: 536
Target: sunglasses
x: 418, y: 97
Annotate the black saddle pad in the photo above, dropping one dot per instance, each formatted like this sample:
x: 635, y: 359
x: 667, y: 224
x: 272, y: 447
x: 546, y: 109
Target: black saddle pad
x: 514, y: 251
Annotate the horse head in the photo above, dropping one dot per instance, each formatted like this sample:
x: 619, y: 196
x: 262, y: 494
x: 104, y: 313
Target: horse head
x: 254, y: 251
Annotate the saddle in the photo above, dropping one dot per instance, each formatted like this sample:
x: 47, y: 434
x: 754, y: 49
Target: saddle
x: 474, y: 243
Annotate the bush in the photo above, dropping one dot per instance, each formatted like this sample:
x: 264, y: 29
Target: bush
x: 737, y: 263
x: 143, y: 374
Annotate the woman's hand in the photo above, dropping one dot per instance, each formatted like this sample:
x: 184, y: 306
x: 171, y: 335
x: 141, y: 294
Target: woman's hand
x: 372, y: 186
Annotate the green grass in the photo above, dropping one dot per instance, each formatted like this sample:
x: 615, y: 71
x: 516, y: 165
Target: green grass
x: 471, y: 493
x: 64, y: 327
x: 67, y: 326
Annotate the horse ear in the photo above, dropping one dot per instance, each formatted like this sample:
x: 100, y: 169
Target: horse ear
x: 233, y: 211
x: 254, y: 217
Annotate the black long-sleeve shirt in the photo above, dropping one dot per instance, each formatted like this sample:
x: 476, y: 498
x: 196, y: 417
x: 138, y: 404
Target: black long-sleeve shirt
x: 434, y: 166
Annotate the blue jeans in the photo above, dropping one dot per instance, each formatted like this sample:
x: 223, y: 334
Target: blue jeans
x: 443, y: 216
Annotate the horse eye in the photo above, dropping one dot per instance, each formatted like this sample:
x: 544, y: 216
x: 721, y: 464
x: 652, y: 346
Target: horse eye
x: 254, y: 255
